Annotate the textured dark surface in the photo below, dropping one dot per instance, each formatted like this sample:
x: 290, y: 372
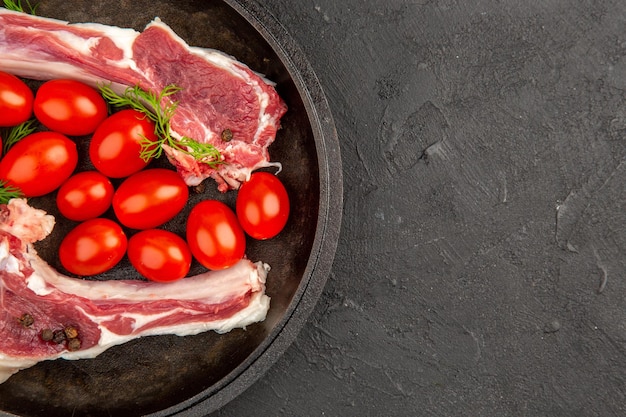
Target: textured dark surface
x: 169, y: 374
x: 480, y: 270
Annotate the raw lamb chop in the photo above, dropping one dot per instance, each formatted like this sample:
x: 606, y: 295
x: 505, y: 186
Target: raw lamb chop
x: 38, y: 303
x: 220, y: 96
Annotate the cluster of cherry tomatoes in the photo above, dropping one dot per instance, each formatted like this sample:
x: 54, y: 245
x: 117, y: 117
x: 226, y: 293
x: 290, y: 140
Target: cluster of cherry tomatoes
x: 145, y: 199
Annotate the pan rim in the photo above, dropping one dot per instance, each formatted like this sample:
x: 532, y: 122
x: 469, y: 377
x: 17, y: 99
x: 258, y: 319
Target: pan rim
x: 326, y: 239
x: 330, y: 207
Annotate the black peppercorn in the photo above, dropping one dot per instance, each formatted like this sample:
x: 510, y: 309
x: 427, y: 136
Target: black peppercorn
x: 227, y: 135
x: 70, y: 332
x: 58, y: 336
x: 73, y: 344
x: 26, y: 320
x: 46, y: 335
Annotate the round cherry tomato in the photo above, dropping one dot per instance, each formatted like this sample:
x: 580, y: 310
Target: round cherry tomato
x: 116, y: 145
x: 262, y: 205
x: 85, y: 195
x: 69, y: 107
x: 150, y: 198
x: 214, y: 236
x: 93, y: 247
x: 159, y: 255
x: 16, y: 100
x: 39, y: 163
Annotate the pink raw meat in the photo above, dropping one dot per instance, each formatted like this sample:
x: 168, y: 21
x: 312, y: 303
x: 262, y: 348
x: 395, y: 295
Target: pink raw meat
x: 218, y: 92
x: 106, y: 313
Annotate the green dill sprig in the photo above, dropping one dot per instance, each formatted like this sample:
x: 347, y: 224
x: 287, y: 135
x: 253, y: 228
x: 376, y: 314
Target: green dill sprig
x: 151, y: 105
x: 7, y: 192
x: 11, y: 136
x: 16, y: 6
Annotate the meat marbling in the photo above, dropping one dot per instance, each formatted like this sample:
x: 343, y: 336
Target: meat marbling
x: 106, y: 313
x: 218, y: 93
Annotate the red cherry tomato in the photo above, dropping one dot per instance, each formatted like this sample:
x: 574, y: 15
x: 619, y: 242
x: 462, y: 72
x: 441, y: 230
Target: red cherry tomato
x: 262, y: 205
x: 16, y: 100
x: 116, y: 145
x: 39, y: 163
x: 214, y: 236
x: 159, y: 255
x: 150, y: 198
x: 85, y: 195
x: 93, y: 247
x: 69, y: 107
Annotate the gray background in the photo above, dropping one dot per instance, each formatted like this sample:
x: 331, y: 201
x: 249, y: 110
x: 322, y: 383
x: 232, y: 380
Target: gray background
x: 480, y: 269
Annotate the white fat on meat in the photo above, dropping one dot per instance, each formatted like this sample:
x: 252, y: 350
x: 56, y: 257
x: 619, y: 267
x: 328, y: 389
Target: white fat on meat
x: 24, y: 222
x: 217, y: 94
x: 26, y: 279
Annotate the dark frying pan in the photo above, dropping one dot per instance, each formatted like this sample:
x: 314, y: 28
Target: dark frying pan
x: 195, y: 375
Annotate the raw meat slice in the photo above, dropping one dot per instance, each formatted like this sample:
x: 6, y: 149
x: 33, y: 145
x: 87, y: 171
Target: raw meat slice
x: 219, y: 94
x: 35, y: 299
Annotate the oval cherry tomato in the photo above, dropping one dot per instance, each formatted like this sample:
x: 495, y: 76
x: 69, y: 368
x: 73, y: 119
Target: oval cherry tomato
x: 16, y: 100
x: 116, y: 145
x: 150, y: 198
x: 159, y: 255
x: 85, y: 195
x: 262, y: 205
x: 93, y: 247
x: 39, y: 163
x: 69, y: 107
x: 214, y: 236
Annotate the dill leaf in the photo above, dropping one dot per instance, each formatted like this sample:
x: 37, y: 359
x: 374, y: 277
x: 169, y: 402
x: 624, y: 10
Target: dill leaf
x: 17, y: 6
x: 151, y: 105
x: 13, y: 135
x: 7, y: 192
